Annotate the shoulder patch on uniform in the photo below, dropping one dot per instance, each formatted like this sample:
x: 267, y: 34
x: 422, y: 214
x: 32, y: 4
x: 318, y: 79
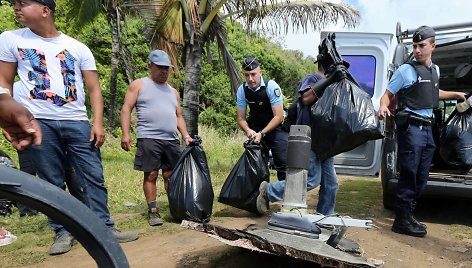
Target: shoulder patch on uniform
x: 277, y: 92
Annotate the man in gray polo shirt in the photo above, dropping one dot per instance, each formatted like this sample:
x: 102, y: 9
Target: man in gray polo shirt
x: 159, y: 116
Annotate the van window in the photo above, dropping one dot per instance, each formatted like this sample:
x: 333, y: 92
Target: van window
x: 363, y: 69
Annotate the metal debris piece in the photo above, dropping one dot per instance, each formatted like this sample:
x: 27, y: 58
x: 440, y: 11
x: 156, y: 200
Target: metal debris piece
x: 282, y: 244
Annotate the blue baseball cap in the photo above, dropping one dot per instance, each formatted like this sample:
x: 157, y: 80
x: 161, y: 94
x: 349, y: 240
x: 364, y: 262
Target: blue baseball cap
x: 160, y: 57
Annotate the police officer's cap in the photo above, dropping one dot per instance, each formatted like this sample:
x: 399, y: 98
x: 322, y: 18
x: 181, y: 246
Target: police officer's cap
x: 423, y: 33
x: 250, y: 63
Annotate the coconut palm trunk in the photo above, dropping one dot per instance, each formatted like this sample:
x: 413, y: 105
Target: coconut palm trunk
x: 191, y: 98
x: 112, y: 16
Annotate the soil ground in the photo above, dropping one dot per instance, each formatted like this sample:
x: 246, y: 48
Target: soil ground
x: 442, y: 247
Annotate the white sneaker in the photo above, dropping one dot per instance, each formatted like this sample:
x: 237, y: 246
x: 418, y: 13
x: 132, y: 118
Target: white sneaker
x: 7, y: 238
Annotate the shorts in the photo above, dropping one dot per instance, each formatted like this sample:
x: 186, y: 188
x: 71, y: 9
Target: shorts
x: 153, y: 154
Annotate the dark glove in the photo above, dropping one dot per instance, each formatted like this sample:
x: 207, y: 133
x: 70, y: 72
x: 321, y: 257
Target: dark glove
x: 338, y: 74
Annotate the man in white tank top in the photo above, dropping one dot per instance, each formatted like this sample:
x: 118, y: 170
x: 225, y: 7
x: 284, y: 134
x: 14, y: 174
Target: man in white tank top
x: 158, y: 118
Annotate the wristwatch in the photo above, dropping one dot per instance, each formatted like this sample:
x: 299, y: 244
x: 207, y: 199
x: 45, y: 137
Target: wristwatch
x: 262, y: 134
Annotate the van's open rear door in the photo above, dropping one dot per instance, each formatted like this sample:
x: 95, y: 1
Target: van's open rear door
x: 369, y: 56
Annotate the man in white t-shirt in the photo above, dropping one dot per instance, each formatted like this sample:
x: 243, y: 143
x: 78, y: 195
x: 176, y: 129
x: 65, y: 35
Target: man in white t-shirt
x: 52, y: 68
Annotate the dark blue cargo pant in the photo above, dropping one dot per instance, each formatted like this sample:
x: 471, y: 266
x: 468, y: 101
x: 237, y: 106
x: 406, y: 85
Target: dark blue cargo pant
x: 415, y: 153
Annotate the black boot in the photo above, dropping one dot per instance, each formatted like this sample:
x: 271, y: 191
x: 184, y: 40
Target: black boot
x: 416, y: 222
x: 403, y: 225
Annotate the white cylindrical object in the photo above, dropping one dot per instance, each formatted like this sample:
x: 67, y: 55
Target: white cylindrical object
x: 463, y: 106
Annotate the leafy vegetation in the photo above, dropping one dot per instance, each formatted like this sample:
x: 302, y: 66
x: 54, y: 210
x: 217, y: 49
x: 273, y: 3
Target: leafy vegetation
x: 188, y: 27
x: 217, y: 104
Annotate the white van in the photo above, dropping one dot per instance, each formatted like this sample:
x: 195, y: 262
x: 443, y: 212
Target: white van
x: 373, y: 58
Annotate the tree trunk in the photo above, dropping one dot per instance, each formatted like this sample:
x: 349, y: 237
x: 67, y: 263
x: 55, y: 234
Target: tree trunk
x: 193, y: 69
x: 115, y: 53
x: 127, y: 59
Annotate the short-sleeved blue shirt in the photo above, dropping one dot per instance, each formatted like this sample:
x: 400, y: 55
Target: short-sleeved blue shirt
x: 404, y: 77
x: 273, y: 92
x: 304, y: 112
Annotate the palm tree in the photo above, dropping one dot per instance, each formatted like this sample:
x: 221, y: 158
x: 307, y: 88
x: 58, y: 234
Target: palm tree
x: 192, y: 23
x: 84, y: 11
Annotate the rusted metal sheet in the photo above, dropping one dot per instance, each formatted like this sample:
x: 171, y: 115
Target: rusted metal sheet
x: 282, y: 244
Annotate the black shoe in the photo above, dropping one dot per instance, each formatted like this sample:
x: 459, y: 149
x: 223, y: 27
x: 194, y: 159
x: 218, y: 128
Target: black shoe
x: 403, y: 225
x: 417, y: 223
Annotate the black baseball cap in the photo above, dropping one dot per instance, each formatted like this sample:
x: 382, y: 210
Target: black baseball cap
x: 51, y: 4
x: 250, y: 63
x: 422, y: 33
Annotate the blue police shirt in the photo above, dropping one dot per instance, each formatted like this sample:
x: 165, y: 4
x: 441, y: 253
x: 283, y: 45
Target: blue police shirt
x: 273, y: 92
x: 404, y: 77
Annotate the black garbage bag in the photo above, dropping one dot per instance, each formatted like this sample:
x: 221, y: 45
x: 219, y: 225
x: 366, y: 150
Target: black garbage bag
x: 241, y: 188
x: 5, y: 205
x: 344, y: 117
x: 455, y: 142
x: 190, y: 190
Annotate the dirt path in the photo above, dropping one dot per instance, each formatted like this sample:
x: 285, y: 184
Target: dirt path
x: 440, y: 248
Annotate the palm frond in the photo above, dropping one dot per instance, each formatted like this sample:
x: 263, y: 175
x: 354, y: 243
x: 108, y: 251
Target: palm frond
x: 236, y: 6
x: 169, y: 25
x: 193, y: 11
x: 146, y: 8
x: 232, y: 68
x: 84, y: 11
x: 165, y: 25
x: 285, y: 15
x: 217, y: 31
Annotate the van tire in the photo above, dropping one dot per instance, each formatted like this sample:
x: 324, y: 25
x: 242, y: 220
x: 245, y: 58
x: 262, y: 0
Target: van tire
x: 56, y: 203
x: 388, y: 200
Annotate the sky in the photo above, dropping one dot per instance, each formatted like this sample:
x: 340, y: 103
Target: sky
x: 382, y: 16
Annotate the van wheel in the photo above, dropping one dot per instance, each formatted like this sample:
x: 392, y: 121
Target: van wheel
x: 388, y: 200
x: 56, y: 203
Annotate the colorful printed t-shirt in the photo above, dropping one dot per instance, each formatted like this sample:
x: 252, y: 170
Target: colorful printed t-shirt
x: 51, y: 83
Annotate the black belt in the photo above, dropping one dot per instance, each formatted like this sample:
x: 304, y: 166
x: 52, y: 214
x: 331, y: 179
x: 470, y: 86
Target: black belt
x: 421, y: 121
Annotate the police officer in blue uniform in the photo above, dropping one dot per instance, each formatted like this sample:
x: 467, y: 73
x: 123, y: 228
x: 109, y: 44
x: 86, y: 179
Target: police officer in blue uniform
x: 416, y: 84
x: 265, y: 101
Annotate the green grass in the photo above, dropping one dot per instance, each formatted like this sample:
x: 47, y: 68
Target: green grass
x: 357, y: 197
x: 124, y: 185
x: 461, y: 231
